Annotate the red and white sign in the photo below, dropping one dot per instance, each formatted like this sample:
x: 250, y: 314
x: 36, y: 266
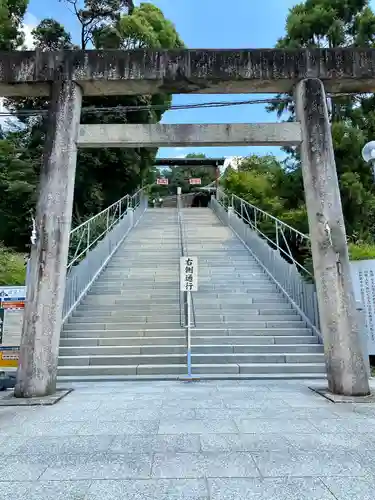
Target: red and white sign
x: 162, y: 181
x: 195, y: 181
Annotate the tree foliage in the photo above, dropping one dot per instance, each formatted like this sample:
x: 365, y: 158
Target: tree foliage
x: 321, y: 24
x: 11, y: 17
x: 103, y: 175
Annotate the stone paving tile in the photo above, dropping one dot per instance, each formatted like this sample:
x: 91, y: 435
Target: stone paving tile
x: 351, y: 488
x: 153, y: 413
x: 343, y: 441
x: 22, y: 468
x: 352, y: 423
x: 248, y: 403
x: 43, y: 429
x: 275, y: 425
x: 14, y: 490
x: 95, y: 427
x: 177, y: 443
x: 290, y: 462
x: 130, y: 404
x: 99, y: 466
x: 196, y: 402
x: 199, y: 465
x: 48, y: 490
x: 268, y: 489
x: 57, y: 445
x: 162, y: 489
x: 230, y: 432
x: 195, y: 426
x: 243, y: 442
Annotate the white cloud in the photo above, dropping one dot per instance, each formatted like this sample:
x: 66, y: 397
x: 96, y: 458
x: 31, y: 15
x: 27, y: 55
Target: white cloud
x: 29, y: 23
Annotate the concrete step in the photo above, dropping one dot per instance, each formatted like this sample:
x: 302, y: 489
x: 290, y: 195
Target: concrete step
x: 267, y: 340
x: 104, y: 314
x: 155, y: 325
x: 126, y: 341
x: 250, y: 324
x: 247, y: 358
x: 128, y: 301
x: 131, y: 332
x: 105, y: 370
x: 111, y: 350
x: 257, y: 349
x: 202, y: 350
x: 117, y: 360
x: 268, y: 369
x: 200, y: 332
x: 131, y: 317
x: 246, y: 318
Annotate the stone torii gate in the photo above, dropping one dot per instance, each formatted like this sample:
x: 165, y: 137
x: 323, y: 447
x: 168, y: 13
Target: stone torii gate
x: 66, y: 76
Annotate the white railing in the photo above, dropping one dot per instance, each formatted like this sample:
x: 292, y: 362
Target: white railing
x: 85, y: 236
x: 278, y: 262
x: 280, y: 235
x: 94, y: 242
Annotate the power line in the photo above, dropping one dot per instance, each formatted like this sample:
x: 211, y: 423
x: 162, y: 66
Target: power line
x: 176, y: 107
x: 150, y: 107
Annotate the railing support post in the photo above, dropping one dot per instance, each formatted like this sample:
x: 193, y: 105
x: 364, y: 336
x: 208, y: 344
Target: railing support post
x: 131, y: 216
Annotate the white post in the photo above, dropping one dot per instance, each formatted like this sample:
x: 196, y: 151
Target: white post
x: 189, y: 333
x: 131, y: 217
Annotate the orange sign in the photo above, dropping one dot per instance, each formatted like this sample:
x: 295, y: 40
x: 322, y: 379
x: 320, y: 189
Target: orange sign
x: 14, y: 304
x: 9, y: 356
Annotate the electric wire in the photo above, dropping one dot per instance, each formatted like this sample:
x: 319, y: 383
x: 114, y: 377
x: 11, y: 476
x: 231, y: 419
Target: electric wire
x: 151, y: 107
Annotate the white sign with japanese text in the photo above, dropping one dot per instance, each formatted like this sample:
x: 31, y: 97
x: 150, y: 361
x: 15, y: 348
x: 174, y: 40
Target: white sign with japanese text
x: 189, y: 274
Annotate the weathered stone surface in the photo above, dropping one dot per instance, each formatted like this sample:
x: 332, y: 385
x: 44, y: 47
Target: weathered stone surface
x: 346, y: 371
x: 159, y: 135
x: 37, y: 369
x: 115, y: 72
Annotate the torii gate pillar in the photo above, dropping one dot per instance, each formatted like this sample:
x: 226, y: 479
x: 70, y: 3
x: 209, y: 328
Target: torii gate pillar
x: 346, y: 370
x: 37, y: 369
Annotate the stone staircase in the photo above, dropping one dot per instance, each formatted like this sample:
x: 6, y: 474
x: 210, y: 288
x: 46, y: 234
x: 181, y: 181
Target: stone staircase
x: 129, y: 324
x: 244, y: 326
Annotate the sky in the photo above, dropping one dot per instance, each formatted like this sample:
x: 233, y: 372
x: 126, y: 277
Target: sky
x: 204, y: 24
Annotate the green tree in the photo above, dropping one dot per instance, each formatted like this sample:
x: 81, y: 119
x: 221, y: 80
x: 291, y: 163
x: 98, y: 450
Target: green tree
x: 328, y: 24
x: 179, y: 176
x: 103, y: 175
x: 11, y: 16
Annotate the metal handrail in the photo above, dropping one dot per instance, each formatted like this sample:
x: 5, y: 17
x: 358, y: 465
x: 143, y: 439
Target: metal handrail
x: 253, y: 216
x: 285, y: 273
x: 100, y: 250
x: 84, y: 237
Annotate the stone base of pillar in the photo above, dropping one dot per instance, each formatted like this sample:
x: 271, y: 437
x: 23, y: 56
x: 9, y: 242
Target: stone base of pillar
x: 9, y: 399
x: 338, y: 398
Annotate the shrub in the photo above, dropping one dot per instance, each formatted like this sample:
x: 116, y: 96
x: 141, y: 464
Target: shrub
x: 12, y: 267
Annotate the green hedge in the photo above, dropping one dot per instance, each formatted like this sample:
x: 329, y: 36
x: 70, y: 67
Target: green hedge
x: 361, y: 251
x: 12, y: 268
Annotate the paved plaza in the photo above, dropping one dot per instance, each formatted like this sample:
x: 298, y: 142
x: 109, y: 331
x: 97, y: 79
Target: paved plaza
x: 219, y: 440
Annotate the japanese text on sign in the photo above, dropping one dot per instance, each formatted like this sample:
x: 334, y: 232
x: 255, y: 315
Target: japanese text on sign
x: 195, y: 181
x: 189, y: 274
x: 162, y: 181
